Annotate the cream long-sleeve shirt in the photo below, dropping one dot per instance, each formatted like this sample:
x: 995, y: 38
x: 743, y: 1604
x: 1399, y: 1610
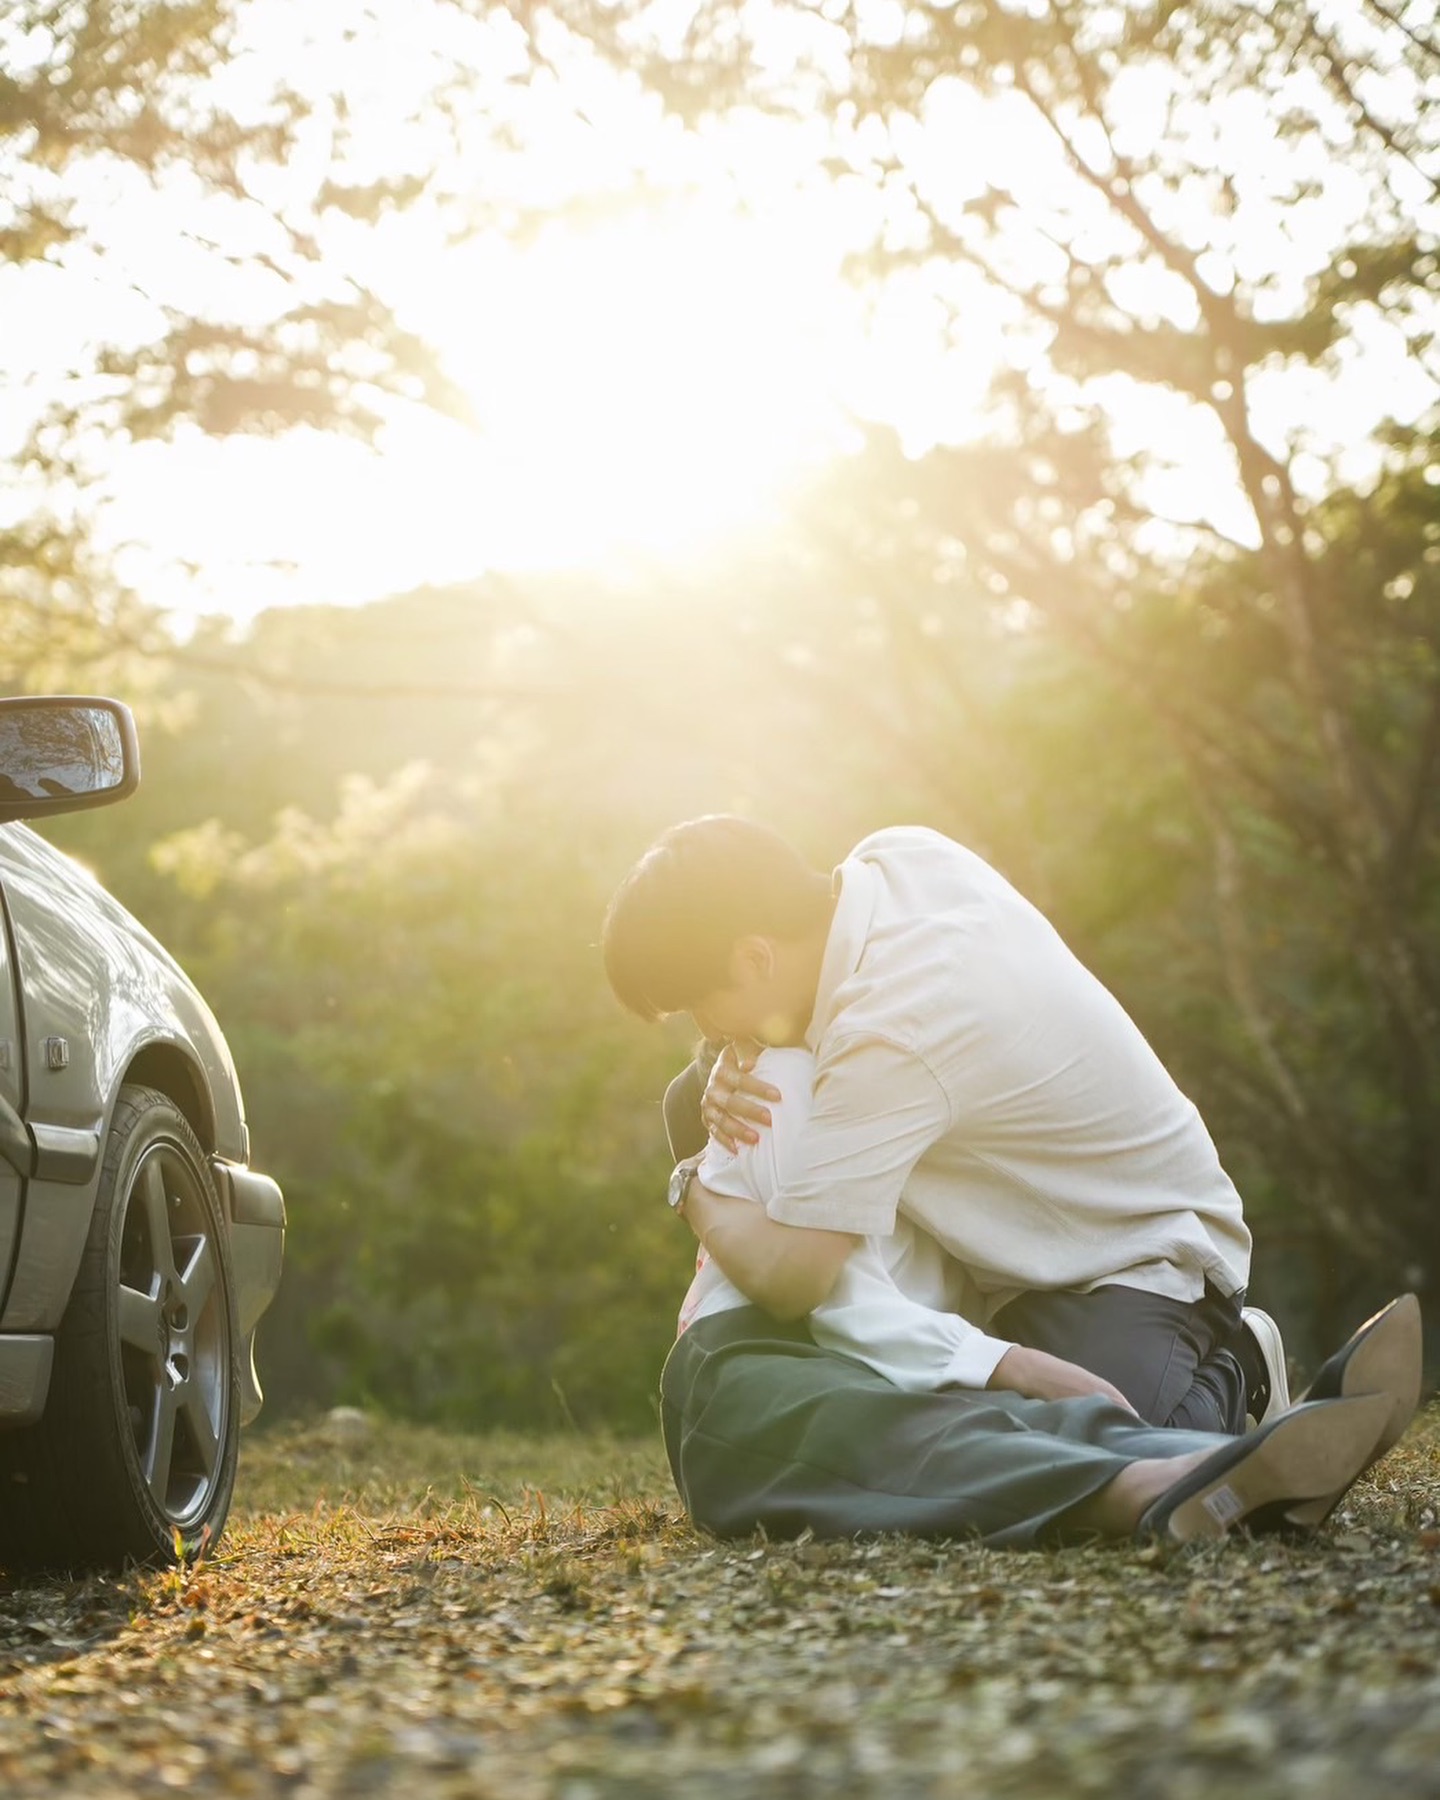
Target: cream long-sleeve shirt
x: 888, y: 1307
x: 972, y: 1075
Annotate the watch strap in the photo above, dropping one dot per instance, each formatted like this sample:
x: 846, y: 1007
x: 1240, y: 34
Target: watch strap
x: 680, y: 1180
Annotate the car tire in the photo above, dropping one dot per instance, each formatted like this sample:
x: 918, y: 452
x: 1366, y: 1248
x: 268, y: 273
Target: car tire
x: 134, y: 1459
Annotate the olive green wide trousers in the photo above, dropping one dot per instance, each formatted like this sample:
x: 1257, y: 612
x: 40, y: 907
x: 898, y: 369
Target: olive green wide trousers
x: 766, y: 1430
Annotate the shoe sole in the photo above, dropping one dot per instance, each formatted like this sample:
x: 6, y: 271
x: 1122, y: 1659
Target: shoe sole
x: 1385, y: 1362
x: 1311, y: 1454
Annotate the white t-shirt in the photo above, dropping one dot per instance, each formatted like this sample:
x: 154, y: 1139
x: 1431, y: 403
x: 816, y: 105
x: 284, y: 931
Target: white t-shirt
x: 972, y: 1074
x: 917, y: 1346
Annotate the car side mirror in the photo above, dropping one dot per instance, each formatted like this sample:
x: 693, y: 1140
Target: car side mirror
x: 60, y: 753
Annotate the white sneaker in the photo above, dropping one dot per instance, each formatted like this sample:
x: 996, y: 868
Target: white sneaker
x: 1271, y: 1345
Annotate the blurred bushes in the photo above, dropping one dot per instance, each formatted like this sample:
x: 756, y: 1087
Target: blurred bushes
x: 386, y: 859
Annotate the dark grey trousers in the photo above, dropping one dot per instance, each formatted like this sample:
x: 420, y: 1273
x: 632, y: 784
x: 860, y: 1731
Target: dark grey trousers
x: 1178, y: 1362
x: 764, y: 1429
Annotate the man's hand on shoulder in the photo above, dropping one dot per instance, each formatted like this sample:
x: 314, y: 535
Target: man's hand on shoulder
x: 1039, y: 1376
x: 735, y: 1099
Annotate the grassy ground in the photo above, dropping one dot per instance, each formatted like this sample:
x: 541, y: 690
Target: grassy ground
x: 411, y: 1613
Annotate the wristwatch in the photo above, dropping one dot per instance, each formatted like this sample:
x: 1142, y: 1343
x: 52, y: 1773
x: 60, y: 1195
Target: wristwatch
x: 680, y: 1180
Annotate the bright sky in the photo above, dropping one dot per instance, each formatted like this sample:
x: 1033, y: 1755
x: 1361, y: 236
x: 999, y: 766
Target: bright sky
x: 649, y: 378
x: 650, y: 385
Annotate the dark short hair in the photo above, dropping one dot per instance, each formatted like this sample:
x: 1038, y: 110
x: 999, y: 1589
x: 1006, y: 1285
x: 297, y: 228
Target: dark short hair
x: 676, y: 916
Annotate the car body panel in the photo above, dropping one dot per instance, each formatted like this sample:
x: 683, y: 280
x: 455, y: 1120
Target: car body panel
x: 88, y: 1000
x: 12, y: 1090
x: 257, y: 1248
x: 25, y: 1365
x: 93, y: 977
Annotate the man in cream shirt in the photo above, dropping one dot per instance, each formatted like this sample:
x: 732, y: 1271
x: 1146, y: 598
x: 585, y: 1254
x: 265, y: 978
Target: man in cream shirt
x: 971, y: 1071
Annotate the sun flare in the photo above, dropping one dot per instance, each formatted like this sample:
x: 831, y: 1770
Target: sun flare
x: 652, y: 331
x: 651, y: 385
x: 644, y: 388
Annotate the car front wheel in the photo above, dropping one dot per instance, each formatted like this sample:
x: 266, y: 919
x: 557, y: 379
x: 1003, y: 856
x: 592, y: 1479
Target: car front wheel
x: 135, y: 1457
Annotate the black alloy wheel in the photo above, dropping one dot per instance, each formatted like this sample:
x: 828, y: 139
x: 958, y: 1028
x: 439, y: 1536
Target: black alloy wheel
x: 135, y: 1457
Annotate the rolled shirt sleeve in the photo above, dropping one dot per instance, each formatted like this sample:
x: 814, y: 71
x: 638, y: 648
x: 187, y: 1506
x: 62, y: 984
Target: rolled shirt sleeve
x: 869, y: 1318
x: 878, y: 1107
x: 868, y: 1315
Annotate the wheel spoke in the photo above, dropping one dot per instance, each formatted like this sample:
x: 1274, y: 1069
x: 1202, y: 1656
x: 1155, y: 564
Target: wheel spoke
x: 157, y: 1215
x: 139, y: 1320
x: 161, y: 1450
x: 197, y: 1281
x: 192, y: 1404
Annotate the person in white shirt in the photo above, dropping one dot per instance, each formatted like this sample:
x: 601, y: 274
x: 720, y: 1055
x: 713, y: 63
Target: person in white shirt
x: 866, y: 1417
x: 970, y: 1074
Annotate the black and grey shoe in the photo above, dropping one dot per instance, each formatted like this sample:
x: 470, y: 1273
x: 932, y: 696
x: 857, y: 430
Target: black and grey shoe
x: 1307, y: 1458
x: 1385, y: 1356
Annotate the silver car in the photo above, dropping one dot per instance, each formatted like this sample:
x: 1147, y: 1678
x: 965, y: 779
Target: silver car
x: 138, y: 1249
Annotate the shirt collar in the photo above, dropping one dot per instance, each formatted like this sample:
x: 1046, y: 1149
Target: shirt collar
x: 857, y: 888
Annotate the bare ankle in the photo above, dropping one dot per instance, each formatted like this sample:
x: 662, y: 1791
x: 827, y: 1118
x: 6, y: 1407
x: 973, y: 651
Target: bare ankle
x: 1115, y: 1510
